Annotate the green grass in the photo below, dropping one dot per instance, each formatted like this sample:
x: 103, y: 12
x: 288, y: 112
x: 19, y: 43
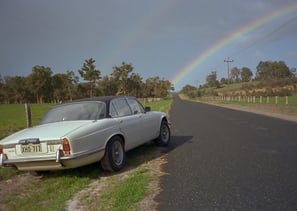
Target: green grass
x: 53, y: 191
x: 124, y: 195
x: 162, y: 105
x: 13, y: 116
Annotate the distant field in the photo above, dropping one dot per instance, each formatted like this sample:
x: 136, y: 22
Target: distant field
x: 13, y: 116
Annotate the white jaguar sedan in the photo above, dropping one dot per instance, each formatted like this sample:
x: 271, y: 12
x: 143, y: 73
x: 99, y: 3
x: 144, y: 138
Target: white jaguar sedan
x: 85, y: 131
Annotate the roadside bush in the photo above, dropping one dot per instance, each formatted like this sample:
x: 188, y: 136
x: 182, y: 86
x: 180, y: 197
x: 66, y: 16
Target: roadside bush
x: 283, y: 92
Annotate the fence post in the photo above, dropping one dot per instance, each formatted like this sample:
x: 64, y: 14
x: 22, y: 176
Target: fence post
x: 276, y: 99
x: 287, y: 100
x: 28, y: 114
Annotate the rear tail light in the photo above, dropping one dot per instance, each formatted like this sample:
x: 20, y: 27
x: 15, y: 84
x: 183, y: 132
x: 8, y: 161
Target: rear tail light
x: 1, y: 149
x: 66, y: 146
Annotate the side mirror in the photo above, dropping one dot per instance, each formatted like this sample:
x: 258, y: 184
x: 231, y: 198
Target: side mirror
x: 147, y: 109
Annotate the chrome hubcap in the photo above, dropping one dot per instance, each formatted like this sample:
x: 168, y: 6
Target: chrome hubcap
x: 117, y: 153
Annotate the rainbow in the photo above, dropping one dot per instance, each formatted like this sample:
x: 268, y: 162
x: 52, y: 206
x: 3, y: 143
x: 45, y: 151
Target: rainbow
x: 228, y: 39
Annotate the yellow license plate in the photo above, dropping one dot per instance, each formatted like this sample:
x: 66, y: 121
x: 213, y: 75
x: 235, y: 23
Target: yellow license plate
x: 31, y: 148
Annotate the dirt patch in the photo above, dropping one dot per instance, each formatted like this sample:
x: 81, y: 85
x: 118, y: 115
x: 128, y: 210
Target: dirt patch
x: 17, y: 185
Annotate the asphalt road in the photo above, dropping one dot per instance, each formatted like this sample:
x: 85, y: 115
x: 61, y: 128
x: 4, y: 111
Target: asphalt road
x: 221, y: 159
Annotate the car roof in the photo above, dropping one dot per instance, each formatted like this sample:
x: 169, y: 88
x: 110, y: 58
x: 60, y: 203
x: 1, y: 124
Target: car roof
x: 105, y: 99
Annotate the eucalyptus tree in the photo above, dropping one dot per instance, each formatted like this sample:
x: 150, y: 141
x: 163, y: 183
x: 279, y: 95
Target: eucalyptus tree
x: 235, y: 74
x: 269, y: 70
x: 211, y: 80
x: 59, y: 83
x: 156, y: 87
x: 134, y: 85
x: 121, y: 75
x: 2, y: 90
x: 16, y: 88
x: 246, y: 74
x: 40, y: 82
x: 89, y: 73
x: 108, y: 86
x: 72, y: 81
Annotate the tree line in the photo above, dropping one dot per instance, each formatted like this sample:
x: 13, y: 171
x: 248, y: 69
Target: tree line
x: 41, y: 86
x: 268, y: 74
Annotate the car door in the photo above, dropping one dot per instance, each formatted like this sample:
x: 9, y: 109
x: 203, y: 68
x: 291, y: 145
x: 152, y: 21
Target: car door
x: 149, y: 124
x: 130, y: 125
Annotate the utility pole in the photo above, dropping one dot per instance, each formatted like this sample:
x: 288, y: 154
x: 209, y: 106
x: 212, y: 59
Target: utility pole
x: 228, y: 61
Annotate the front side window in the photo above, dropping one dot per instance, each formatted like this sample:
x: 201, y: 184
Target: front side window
x: 119, y: 107
x: 135, y: 106
x: 75, y: 111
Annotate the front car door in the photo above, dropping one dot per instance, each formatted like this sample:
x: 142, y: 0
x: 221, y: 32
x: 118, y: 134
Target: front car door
x: 130, y: 124
x: 149, y: 122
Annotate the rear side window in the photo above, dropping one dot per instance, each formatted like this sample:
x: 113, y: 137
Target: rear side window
x: 135, y: 106
x: 120, y: 107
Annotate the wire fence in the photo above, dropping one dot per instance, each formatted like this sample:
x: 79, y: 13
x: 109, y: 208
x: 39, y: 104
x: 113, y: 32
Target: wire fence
x: 277, y: 100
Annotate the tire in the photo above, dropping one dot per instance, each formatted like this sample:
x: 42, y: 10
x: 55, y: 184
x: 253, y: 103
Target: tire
x: 164, y: 136
x: 114, y: 158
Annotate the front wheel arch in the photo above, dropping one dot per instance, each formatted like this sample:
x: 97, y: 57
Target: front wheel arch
x: 164, y: 135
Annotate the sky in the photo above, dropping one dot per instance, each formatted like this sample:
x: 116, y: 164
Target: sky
x: 182, y: 41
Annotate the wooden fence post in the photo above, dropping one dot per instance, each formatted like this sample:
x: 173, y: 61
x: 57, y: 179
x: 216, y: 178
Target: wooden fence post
x: 28, y: 114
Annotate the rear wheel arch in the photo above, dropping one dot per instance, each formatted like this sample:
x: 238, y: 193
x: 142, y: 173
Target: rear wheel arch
x: 114, y: 158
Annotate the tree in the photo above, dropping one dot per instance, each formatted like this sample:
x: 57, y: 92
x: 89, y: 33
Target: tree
x: 191, y: 91
x: 108, y: 86
x: 16, y: 88
x: 224, y: 81
x: 89, y: 73
x: 71, y: 84
x: 59, y: 83
x: 40, y: 82
x: 235, y: 74
x: 273, y: 70
x: 212, y: 80
x: 121, y: 75
x: 246, y: 74
x: 2, y: 89
x: 134, y: 85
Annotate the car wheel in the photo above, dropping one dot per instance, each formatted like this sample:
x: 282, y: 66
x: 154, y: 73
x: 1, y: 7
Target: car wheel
x: 164, y: 136
x: 114, y: 158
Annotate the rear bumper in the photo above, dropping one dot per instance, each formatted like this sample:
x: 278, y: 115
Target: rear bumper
x: 52, y: 163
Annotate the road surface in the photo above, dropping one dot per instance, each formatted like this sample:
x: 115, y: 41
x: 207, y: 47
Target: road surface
x: 221, y: 159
